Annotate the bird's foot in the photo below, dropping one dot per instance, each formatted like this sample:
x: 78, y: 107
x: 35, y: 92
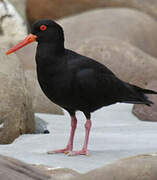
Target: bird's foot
x: 65, y: 151
x: 75, y: 153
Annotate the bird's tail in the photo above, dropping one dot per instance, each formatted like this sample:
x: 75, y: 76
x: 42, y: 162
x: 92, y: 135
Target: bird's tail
x: 138, y: 95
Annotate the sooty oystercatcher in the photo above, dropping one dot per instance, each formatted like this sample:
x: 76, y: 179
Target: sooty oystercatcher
x: 76, y: 82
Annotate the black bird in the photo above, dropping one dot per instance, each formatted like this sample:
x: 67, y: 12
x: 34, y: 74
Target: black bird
x: 76, y: 82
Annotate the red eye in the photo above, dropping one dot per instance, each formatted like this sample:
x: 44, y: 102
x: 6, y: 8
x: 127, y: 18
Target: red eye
x: 43, y: 27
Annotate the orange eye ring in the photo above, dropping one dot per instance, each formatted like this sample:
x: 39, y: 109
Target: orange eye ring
x: 43, y: 27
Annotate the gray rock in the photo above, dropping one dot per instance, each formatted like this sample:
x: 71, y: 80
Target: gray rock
x: 144, y: 112
x: 12, y: 27
x: 141, y: 167
x: 125, y: 24
x: 126, y: 61
x: 20, y: 7
x: 63, y: 173
x: 59, y: 173
x: 149, y: 7
x: 40, y: 126
x: 11, y: 168
x: 16, y: 113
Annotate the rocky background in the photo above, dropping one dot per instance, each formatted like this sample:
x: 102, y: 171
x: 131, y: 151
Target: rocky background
x: 120, y: 34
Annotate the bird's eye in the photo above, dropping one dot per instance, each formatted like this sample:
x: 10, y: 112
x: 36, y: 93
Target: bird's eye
x: 43, y: 27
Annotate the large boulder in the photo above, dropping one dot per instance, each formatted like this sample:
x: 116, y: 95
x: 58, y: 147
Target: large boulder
x: 141, y: 167
x: 12, y: 30
x: 55, y: 9
x: 16, y: 112
x: 149, y: 7
x: 126, y: 61
x: 12, y: 26
x: 144, y: 112
x: 129, y: 25
x: 11, y: 169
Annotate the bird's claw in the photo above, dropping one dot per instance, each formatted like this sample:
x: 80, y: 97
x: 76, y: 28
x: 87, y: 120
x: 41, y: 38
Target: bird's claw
x: 69, y: 152
x: 74, y: 153
x: 65, y: 151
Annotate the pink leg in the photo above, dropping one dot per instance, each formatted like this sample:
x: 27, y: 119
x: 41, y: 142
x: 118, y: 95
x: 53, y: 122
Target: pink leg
x: 69, y: 146
x: 84, y: 149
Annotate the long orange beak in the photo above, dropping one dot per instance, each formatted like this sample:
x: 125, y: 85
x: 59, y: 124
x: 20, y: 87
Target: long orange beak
x: 30, y: 38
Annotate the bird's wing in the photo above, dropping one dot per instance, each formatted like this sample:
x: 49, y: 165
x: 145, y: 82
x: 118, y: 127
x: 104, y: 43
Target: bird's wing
x: 95, y: 85
x: 94, y: 81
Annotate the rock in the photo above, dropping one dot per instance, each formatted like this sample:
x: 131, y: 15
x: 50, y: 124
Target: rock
x: 128, y: 25
x: 20, y: 7
x: 41, y: 103
x: 55, y: 9
x: 16, y: 113
x: 59, y: 173
x: 126, y: 61
x: 11, y: 168
x: 144, y: 112
x: 27, y: 56
x: 62, y: 173
x: 141, y: 167
x: 12, y: 27
x: 149, y: 7
x: 40, y: 126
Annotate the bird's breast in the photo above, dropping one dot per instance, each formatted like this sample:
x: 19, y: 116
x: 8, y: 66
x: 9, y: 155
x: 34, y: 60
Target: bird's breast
x: 56, y: 86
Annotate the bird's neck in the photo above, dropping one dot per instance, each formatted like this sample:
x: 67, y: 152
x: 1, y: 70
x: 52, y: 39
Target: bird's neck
x: 55, y: 48
x: 49, y: 52
x: 49, y: 57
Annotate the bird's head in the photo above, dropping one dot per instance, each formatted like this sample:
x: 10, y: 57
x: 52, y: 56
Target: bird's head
x: 45, y: 30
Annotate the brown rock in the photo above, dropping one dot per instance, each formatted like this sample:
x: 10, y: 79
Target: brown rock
x: 128, y: 25
x: 55, y: 9
x: 141, y: 167
x: 147, y: 113
x: 41, y: 103
x: 126, y: 61
x: 16, y: 114
x: 12, y: 169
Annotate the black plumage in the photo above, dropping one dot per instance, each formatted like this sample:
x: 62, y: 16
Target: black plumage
x: 76, y: 82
